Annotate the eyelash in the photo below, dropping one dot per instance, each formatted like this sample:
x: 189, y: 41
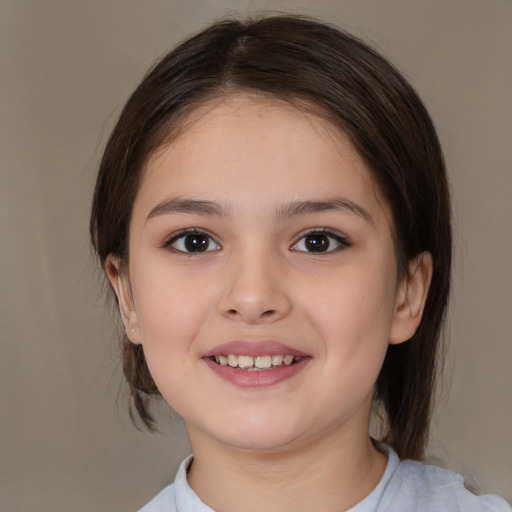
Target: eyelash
x: 341, y: 241
x: 188, y: 232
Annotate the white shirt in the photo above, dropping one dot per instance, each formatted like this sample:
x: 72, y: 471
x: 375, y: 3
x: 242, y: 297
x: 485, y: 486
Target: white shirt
x: 406, y: 486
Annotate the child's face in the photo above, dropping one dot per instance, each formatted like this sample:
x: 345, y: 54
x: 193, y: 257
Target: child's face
x: 289, y: 251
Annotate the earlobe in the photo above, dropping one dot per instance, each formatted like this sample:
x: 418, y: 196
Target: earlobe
x: 120, y: 283
x: 411, y: 298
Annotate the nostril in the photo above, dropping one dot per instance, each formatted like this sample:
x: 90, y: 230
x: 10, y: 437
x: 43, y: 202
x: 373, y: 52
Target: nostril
x: 266, y: 314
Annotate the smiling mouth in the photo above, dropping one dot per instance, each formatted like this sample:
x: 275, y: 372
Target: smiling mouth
x: 258, y: 363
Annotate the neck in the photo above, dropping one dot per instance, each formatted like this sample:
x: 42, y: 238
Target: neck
x: 331, y: 474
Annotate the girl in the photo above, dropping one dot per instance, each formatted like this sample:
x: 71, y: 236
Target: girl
x: 272, y: 213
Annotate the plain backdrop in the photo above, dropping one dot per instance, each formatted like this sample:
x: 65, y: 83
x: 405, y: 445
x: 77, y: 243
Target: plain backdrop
x: 66, y: 67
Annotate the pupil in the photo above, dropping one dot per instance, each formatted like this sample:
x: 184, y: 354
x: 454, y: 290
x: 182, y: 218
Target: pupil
x: 196, y: 243
x: 317, y: 243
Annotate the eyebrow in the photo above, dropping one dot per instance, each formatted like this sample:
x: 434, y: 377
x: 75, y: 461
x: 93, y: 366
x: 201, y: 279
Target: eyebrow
x: 192, y: 206
x: 292, y: 209
x: 336, y: 203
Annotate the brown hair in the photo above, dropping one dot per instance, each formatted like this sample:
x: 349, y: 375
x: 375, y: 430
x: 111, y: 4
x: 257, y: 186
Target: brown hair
x: 297, y: 59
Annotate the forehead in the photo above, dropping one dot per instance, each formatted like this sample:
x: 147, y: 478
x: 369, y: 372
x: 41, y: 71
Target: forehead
x: 219, y: 116
x: 236, y: 147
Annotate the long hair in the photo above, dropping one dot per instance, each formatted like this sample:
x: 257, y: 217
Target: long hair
x: 340, y: 78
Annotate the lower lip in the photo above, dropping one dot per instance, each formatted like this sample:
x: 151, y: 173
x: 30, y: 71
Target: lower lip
x: 260, y: 378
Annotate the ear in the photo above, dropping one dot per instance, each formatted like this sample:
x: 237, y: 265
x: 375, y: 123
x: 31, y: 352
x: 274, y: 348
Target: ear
x: 121, y: 284
x: 411, y: 297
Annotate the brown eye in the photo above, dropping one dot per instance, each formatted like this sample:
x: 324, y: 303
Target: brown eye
x: 193, y: 242
x: 321, y: 241
x: 316, y: 243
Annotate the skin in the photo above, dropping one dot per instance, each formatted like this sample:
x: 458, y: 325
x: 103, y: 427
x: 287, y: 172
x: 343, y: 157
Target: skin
x: 301, y: 444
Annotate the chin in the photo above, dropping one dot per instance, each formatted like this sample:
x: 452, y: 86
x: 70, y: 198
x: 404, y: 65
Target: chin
x: 262, y: 445
x: 254, y: 436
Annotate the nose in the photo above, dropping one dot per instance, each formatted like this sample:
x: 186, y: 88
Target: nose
x: 255, y: 288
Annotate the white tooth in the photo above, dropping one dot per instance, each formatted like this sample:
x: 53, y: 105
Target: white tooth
x: 232, y: 360
x: 288, y: 360
x: 245, y: 361
x: 263, y: 362
x: 222, y: 360
x: 277, y: 360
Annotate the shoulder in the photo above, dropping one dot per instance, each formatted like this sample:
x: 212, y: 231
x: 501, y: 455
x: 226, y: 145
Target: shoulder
x: 425, y: 488
x: 164, y: 501
x: 177, y: 497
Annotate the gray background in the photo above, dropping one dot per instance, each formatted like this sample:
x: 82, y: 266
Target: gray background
x: 66, y: 67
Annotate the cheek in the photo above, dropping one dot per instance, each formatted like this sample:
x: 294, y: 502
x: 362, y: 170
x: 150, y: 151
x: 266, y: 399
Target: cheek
x: 168, y: 323
x: 355, y: 326
x: 169, y: 308
x: 355, y: 316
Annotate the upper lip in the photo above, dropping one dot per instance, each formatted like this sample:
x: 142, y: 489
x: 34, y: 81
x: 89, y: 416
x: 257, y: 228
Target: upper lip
x: 253, y: 348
